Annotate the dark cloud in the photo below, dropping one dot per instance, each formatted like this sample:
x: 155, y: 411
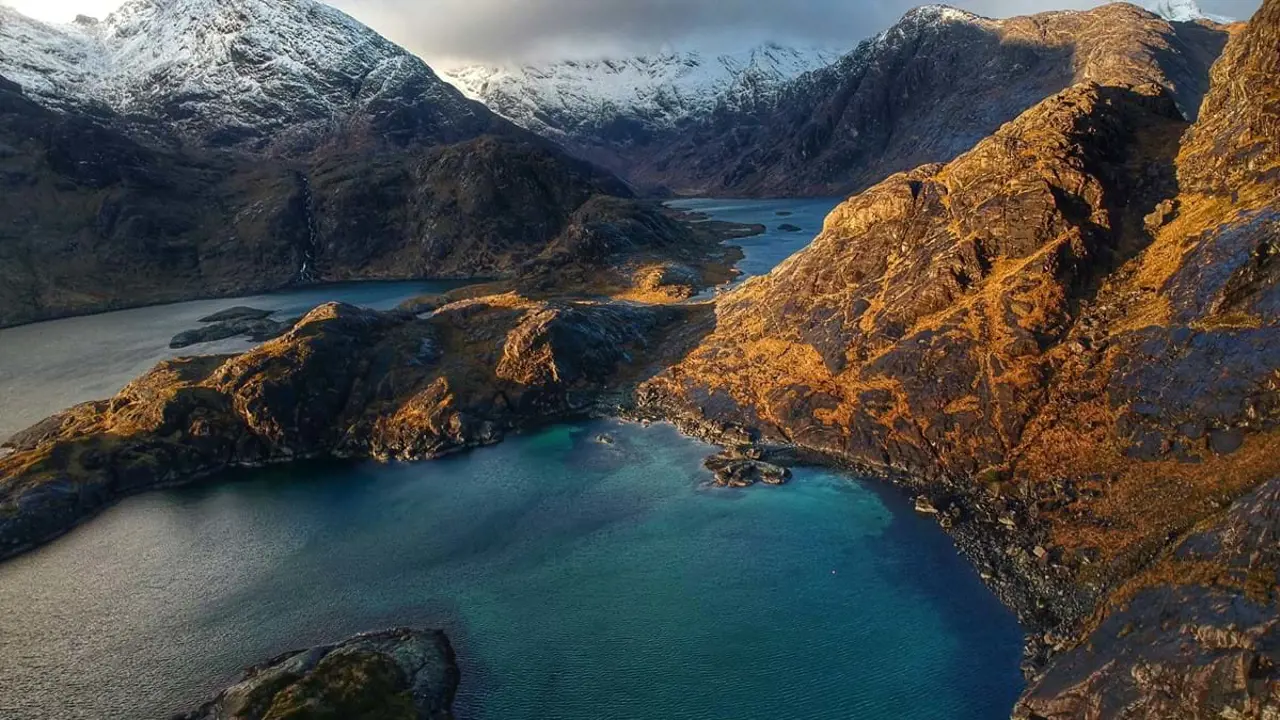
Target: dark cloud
x: 446, y: 31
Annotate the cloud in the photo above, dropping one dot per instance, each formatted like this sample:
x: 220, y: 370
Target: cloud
x: 62, y: 10
x: 446, y: 31
x: 451, y: 31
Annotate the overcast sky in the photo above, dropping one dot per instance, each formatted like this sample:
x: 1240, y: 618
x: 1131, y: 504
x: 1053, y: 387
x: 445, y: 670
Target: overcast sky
x: 447, y: 32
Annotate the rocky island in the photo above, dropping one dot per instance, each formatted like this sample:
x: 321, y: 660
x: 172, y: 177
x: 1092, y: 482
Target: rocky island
x: 399, y: 674
x: 1064, y: 343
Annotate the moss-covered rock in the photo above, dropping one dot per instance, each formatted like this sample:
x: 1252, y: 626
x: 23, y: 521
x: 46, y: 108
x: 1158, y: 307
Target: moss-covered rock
x: 399, y: 674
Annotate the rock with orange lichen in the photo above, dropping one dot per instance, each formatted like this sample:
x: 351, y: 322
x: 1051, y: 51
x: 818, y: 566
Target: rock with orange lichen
x: 1196, y: 636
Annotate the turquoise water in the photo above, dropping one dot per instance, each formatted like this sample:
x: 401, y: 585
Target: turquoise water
x: 762, y: 253
x: 578, y: 580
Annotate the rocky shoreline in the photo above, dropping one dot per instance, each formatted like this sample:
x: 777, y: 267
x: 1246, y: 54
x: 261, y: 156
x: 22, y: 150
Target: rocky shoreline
x: 1029, y: 589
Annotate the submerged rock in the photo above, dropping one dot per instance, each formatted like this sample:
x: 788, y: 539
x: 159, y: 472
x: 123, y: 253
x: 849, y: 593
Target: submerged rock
x: 399, y: 674
x: 788, y: 227
x: 744, y: 468
x: 252, y: 326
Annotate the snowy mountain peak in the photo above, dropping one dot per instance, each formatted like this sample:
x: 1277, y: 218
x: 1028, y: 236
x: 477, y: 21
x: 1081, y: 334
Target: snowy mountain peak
x: 657, y: 91
x: 1183, y: 11
x: 941, y: 14
x: 227, y: 71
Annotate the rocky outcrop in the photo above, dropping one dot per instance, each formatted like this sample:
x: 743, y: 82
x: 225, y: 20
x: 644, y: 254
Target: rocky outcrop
x: 343, y: 382
x: 1066, y: 342
x: 744, y: 467
x: 924, y: 91
x: 1194, y: 636
x: 399, y: 674
x: 1232, y: 149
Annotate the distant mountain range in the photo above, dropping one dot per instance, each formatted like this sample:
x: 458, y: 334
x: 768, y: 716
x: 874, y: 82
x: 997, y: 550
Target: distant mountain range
x: 786, y: 121
x: 599, y: 107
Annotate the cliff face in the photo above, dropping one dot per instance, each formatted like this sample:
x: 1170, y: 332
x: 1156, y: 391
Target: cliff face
x: 924, y: 91
x: 1194, y: 633
x: 1068, y: 340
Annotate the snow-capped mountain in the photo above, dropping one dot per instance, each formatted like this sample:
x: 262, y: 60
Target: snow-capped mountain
x: 923, y: 91
x: 190, y: 148
x: 231, y: 71
x: 1183, y: 11
x: 571, y: 99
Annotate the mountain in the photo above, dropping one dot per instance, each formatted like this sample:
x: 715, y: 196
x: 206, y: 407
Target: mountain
x: 1184, y: 11
x: 925, y: 90
x: 1065, y: 343
x: 255, y: 73
x: 194, y: 148
x: 595, y: 107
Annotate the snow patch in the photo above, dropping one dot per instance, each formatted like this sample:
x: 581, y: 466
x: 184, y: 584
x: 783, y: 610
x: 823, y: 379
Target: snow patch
x: 1184, y: 11
x: 658, y: 91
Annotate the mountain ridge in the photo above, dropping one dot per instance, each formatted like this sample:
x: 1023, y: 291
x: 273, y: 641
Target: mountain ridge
x: 900, y: 99
x: 248, y: 73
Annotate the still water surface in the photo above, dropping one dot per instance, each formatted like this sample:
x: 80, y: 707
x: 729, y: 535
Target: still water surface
x: 579, y: 580
x: 762, y: 253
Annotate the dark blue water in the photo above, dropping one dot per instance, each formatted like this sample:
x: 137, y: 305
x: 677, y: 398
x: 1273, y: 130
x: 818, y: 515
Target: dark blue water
x: 579, y: 580
x: 762, y: 253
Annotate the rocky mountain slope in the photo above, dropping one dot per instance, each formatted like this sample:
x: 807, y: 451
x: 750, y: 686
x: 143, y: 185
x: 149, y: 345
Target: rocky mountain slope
x: 1067, y: 342
x: 605, y: 109
x: 925, y: 90
x: 208, y: 147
